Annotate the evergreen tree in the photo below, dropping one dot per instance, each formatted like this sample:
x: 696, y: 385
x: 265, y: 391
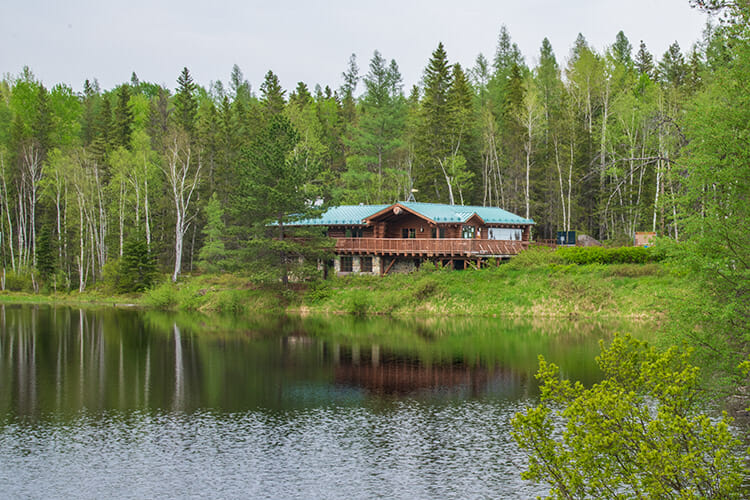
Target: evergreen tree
x: 644, y: 61
x: 272, y: 95
x: 351, y: 79
x: 672, y: 68
x: 238, y: 86
x: 137, y: 268
x: 271, y: 193
x: 507, y: 53
x: 376, y: 135
x: 301, y: 96
x: 434, y: 136
x: 580, y: 46
x: 622, y: 50
x: 45, y: 254
x: 186, y: 103
x: 212, y: 256
x: 122, y: 123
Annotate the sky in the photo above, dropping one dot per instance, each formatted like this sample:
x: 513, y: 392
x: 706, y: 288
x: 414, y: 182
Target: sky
x: 68, y: 41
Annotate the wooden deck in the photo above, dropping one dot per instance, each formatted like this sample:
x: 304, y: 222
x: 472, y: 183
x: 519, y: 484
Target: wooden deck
x: 430, y: 247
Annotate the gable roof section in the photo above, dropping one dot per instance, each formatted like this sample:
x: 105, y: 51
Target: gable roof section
x: 396, y: 210
x: 346, y: 215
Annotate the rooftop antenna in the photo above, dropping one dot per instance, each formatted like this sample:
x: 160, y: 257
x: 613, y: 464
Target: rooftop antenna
x: 411, y: 196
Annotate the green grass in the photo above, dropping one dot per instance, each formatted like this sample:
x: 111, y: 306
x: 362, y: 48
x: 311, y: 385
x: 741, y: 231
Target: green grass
x: 539, y: 290
x: 537, y: 283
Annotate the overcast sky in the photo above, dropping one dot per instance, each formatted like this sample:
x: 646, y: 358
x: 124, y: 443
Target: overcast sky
x: 71, y: 40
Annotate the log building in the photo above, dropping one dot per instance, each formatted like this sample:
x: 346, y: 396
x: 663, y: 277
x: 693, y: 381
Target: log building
x: 378, y: 239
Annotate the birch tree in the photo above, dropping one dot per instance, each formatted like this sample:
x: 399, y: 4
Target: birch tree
x: 182, y: 172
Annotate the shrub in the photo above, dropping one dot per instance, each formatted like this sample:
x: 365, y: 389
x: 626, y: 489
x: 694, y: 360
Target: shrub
x: 359, y: 305
x: 602, y: 255
x: 162, y: 297
x: 640, y: 433
x: 534, y: 257
x: 427, y: 287
x: 18, y: 281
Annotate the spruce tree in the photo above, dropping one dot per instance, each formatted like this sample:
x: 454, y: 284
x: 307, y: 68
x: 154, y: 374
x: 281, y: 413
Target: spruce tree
x: 507, y: 54
x: 672, y: 68
x: 622, y: 50
x: 122, y: 122
x: 644, y: 61
x: 434, y: 142
x: 272, y: 95
x: 137, y: 267
x: 45, y: 255
x: 212, y: 256
x: 351, y: 78
x: 185, y: 103
x: 238, y: 86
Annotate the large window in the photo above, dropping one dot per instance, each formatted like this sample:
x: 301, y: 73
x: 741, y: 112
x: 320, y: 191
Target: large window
x: 346, y: 264
x: 409, y: 232
x: 365, y: 264
x: 355, y: 232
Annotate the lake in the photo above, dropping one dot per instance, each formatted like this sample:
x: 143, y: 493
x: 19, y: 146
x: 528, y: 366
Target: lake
x: 108, y: 403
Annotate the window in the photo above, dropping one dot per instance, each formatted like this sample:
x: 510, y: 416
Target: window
x: 365, y: 264
x: 468, y: 232
x: 346, y: 264
x: 434, y: 233
x: 409, y: 232
x: 355, y: 232
x: 441, y: 232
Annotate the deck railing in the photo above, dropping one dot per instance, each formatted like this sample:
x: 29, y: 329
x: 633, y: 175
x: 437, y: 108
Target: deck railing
x: 429, y: 247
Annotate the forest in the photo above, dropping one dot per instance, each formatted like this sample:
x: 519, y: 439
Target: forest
x: 599, y: 142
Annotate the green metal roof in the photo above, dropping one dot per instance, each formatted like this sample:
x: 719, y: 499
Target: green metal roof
x: 440, y: 213
x: 345, y: 215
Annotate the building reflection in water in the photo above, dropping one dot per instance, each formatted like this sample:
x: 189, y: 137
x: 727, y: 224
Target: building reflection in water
x: 63, y: 361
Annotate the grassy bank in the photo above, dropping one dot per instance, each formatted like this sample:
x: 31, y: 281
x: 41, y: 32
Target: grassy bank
x: 643, y: 291
x: 534, y: 284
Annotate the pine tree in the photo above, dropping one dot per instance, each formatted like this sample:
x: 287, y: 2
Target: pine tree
x: 271, y: 192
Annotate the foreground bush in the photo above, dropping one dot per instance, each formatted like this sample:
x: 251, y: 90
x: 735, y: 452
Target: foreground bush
x: 637, y: 434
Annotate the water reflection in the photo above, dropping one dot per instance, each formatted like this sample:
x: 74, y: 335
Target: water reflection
x: 61, y: 360
x: 126, y: 404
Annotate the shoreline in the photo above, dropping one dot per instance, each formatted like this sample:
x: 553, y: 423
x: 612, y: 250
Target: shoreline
x: 636, y: 292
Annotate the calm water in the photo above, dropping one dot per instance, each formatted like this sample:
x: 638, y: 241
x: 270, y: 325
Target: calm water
x: 126, y: 404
